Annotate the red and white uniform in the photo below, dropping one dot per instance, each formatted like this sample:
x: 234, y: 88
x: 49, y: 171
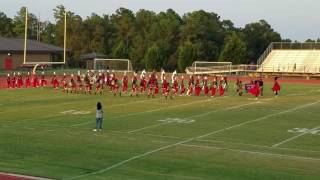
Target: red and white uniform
x: 221, y: 89
x: 255, y: 90
x: 197, y: 87
x: 124, y: 83
x: 205, y: 86
x: 28, y: 81
x: 214, y: 87
x: 55, y: 82
x: 165, y: 87
x: 175, y: 86
x: 182, y: 87
x: 190, y: 86
x: 64, y: 83
x: 134, y: 85
x: 35, y: 82
x: 8, y: 81
x: 276, y: 86
x: 14, y: 81
x: 43, y: 81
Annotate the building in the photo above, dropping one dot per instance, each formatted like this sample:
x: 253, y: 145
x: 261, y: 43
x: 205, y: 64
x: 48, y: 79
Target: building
x: 89, y: 59
x: 12, y: 50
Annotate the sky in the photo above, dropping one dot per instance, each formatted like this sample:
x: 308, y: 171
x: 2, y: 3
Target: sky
x: 293, y: 19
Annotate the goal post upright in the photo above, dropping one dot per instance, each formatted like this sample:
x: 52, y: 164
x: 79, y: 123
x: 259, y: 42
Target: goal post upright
x: 25, y: 36
x: 65, y: 37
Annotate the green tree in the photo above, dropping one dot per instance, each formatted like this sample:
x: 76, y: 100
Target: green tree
x: 187, y: 55
x: 234, y: 50
x: 120, y: 51
x: 6, y: 26
x: 154, y: 58
x: 205, y: 31
x: 258, y: 36
x: 19, y: 24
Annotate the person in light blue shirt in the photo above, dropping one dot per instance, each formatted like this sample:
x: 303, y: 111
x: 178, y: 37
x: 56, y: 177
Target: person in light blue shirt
x: 99, y: 117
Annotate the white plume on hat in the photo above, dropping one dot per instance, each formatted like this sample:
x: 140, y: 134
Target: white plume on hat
x: 54, y: 73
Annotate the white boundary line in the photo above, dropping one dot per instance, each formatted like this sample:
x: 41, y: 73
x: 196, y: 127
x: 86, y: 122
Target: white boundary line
x: 186, y: 141
x: 252, y: 152
x: 294, y: 137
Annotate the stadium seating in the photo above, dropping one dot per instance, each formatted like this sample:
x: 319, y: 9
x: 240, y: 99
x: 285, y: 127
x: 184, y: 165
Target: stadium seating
x: 292, y: 61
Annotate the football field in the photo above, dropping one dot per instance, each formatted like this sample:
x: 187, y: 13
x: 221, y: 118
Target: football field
x: 46, y: 133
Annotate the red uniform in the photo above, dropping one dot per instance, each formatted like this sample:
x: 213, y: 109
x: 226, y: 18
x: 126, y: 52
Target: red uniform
x: 276, y: 86
x: 205, y: 87
x: 64, y: 83
x: 125, y: 83
x: 165, y: 87
x: 255, y: 90
x: 20, y: 81
x: 152, y: 85
x: 43, y: 81
x: 134, y: 85
x: 197, y: 87
x: 28, y: 81
x: 35, y: 82
x: 221, y: 89
x: 143, y: 85
x: 14, y: 82
x: 8, y: 82
x: 190, y: 86
x: 175, y: 86
x: 55, y: 82
x: 214, y: 87
x: 182, y: 87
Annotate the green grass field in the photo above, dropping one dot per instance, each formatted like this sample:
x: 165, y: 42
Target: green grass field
x: 49, y: 134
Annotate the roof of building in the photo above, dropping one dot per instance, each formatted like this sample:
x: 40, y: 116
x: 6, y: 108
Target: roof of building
x: 92, y: 55
x: 16, y: 45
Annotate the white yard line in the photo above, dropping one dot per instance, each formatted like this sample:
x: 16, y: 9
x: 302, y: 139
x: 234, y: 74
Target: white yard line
x: 294, y: 137
x: 255, y: 145
x: 253, y: 152
x: 194, y: 116
x: 147, y: 127
x: 260, y: 119
x: 189, y: 140
x: 144, y: 112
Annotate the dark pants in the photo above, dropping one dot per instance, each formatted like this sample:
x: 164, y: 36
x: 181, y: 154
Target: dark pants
x: 98, y: 123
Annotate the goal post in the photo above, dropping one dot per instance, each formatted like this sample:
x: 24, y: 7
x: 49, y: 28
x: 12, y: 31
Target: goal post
x: 25, y: 62
x: 209, y: 67
x: 119, y: 65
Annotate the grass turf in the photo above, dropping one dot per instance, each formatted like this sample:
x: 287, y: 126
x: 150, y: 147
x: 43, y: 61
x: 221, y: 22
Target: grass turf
x: 198, y: 138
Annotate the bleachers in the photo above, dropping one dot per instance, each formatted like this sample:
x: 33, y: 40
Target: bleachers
x: 292, y: 61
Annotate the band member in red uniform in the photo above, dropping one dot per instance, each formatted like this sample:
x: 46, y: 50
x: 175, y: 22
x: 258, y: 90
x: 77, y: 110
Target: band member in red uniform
x: 239, y: 87
x: 72, y: 85
x: 125, y: 83
x: 214, y: 87
x: 14, y: 81
x: 190, y: 86
x: 197, y: 87
x: 28, y: 81
x: 79, y: 83
x: 19, y: 80
x: 221, y: 88
x: 152, y: 84
x: 99, y: 85
x: 276, y: 86
x: 174, y: 83
x: 8, y: 81
x: 165, y: 87
x: 115, y: 85
x: 134, y: 85
x: 143, y: 82
x: 182, y: 87
x: 35, y: 82
x: 255, y: 90
x: 205, y: 86
x: 64, y: 83
x: 156, y: 89
x: 54, y: 81
x: 43, y: 81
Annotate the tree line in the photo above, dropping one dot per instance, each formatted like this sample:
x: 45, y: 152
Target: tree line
x: 150, y: 40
